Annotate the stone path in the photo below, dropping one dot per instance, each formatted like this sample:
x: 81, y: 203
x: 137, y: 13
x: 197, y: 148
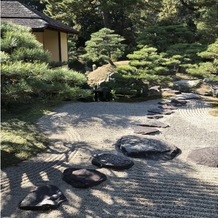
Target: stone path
x: 177, y: 188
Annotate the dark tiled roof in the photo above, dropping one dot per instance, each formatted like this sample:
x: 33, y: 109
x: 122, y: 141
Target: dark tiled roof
x: 35, y: 24
x: 21, y: 14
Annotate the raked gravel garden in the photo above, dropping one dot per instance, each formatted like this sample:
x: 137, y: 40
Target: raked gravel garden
x: 172, y: 187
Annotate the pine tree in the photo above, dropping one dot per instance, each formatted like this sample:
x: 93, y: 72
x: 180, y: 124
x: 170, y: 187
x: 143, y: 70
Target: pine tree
x: 25, y: 73
x: 153, y: 66
x: 208, y: 67
x: 104, y: 44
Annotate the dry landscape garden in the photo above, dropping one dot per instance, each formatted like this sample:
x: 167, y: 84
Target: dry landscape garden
x: 127, y: 126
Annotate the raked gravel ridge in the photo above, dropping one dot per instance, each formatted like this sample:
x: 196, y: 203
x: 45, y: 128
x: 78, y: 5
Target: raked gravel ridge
x: 177, y: 188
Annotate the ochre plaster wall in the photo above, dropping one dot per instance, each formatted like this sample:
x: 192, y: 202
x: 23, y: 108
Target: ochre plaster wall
x: 39, y: 36
x: 64, y: 48
x: 51, y: 43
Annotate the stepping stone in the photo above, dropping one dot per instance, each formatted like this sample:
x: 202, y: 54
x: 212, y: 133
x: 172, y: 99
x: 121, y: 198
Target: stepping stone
x: 113, y: 161
x: 164, y: 102
x: 141, y: 147
x: 159, y: 111
x: 167, y: 107
x: 155, y: 111
x: 145, y: 130
x: 43, y: 198
x: 83, y: 178
x: 154, y: 116
x: 205, y: 156
x: 172, y: 91
x: 177, y: 102
x: 154, y: 123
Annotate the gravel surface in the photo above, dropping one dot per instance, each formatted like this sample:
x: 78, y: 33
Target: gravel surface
x: 177, y: 188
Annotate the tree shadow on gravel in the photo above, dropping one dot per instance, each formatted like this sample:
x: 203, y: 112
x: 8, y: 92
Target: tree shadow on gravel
x: 148, y: 189
x: 108, y: 114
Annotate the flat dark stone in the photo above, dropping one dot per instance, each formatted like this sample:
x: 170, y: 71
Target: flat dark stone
x: 164, y: 102
x: 43, y: 198
x: 178, y: 102
x: 113, y: 161
x: 145, y: 130
x: 83, y: 178
x: 205, y: 156
x: 167, y: 107
x: 154, y: 123
x: 173, y: 91
x: 155, y: 111
x: 159, y: 111
x: 154, y: 116
x: 147, y: 148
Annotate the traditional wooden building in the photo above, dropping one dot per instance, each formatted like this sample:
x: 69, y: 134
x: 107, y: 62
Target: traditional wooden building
x: 51, y: 33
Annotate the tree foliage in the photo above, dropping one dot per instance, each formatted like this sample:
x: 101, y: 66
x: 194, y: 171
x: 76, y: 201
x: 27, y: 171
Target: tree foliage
x: 180, y: 28
x: 36, y: 4
x: 208, y: 67
x: 104, y: 44
x: 25, y: 71
x: 158, y: 23
x: 151, y: 65
x: 163, y: 36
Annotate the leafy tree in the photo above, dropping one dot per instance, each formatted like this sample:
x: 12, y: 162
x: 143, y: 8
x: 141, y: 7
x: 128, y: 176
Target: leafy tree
x: 106, y: 45
x: 25, y: 72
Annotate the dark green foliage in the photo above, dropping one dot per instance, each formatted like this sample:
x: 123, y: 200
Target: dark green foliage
x: 187, y: 51
x: 125, y: 86
x: 162, y: 37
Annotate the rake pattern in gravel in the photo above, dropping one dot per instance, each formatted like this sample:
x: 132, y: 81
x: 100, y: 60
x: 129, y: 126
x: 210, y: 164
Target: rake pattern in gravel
x: 177, y: 188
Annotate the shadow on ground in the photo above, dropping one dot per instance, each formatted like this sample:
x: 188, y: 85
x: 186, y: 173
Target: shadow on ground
x: 148, y: 189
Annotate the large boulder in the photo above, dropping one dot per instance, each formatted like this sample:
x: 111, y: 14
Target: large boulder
x: 186, y: 85
x: 43, y: 198
x: 83, y: 178
x: 187, y: 96
x: 141, y: 147
x: 214, y: 90
x: 205, y: 156
x: 113, y: 161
